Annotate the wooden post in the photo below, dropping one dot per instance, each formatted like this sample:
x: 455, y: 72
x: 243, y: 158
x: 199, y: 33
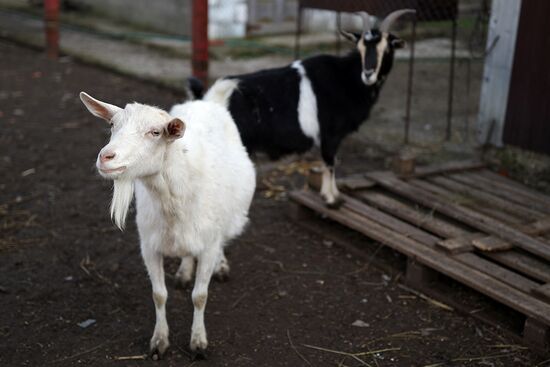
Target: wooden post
x: 419, y: 275
x: 200, y: 40
x: 536, y: 335
x: 448, y: 131
x: 51, y: 27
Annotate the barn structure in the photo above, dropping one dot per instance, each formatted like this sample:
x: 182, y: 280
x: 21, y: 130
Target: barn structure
x: 514, y: 105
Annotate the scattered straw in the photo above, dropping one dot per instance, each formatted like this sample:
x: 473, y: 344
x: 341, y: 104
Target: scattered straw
x: 296, y: 349
x: 426, y: 298
x: 471, y: 359
x: 140, y: 357
x: 353, y: 355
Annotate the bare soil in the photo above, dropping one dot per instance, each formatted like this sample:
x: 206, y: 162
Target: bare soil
x: 293, y: 296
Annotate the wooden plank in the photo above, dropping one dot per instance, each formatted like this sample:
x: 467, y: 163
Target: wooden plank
x: 419, y: 275
x: 428, y: 256
x: 415, y: 216
x: 490, y: 199
x: 495, y: 188
x: 355, y: 183
x: 447, y: 167
x: 539, y: 227
x: 509, y: 277
x: 388, y: 221
x: 514, y: 187
x: 523, y: 263
x: 462, y: 200
x: 459, y: 244
x: 543, y: 291
x: 474, y: 219
x: 491, y: 244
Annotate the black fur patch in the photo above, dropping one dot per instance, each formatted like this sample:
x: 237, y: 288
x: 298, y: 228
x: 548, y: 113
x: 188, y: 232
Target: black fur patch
x: 265, y: 108
x: 265, y: 104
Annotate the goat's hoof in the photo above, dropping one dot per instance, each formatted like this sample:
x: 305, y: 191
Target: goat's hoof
x: 158, y: 347
x: 222, y: 276
x: 335, y: 204
x: 156, y: 355
x: 198, y: 354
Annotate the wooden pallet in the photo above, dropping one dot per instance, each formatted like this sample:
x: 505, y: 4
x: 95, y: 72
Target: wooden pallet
x: 461, y: 220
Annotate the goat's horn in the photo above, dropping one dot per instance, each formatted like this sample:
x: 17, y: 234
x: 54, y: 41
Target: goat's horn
x: 367, y: 25
x: 392, y: 17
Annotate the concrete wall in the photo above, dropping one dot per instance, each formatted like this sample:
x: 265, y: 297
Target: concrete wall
x: 228, y: 18
x: 323, y: 21
x: 169, y: 16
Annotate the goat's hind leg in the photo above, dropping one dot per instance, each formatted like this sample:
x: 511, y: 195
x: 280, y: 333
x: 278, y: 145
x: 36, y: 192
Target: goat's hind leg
x: 206, y: 263
x: 159, y: 342
x: 184, y: 275
x: 221, y: 271
x: 329, y: 190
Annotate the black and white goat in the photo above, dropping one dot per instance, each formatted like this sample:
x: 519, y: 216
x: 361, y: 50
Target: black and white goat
x: 314, y: 102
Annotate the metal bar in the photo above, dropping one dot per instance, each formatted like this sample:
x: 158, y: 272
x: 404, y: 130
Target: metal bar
x: 451, y: 82
x: 279, y: 11
x: 410, y: 83
x: 252, y: 11
x: 51, y: 27
x: 298, y: 32
x: 468, y: 109
x: 338, y: 29
x: 200, y: 40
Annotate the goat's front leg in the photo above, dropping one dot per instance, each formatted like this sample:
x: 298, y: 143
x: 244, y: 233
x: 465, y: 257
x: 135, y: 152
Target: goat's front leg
x: 206, y: 263
x: 329, y: 190
x: 159, y: 342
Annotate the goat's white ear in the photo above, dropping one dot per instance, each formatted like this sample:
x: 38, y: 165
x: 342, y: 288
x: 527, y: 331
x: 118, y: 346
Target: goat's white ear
x: 353, y: 37
x: 99, y: 109
x: 175, y: 129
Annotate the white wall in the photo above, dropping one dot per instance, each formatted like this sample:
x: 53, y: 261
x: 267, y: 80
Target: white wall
x: 324, y: 20
x: 498, y: 70
x: 227, y: 18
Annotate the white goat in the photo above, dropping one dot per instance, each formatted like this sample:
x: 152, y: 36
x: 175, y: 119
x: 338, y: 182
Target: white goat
x: 192, y: 193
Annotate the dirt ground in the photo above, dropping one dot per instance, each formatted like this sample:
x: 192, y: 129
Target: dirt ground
x: 293, y: 297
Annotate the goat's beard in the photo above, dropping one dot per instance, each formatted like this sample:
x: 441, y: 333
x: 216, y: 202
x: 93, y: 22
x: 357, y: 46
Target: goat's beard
x: 123, y: 194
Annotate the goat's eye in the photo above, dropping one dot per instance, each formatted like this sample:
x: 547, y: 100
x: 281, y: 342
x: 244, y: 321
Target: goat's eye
x: 111, y: 124
x: 155, y: 132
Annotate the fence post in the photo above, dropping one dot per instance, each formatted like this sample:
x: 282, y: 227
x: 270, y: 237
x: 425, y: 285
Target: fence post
x: 200, y: 40
x: 51, y: 27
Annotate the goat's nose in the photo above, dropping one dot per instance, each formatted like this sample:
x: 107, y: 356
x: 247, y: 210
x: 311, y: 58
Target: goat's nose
x: 369, y: 72
x: 106, y: 156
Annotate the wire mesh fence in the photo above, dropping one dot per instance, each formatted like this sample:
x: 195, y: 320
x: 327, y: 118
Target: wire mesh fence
x: 445, y: 31
x: 434, y: 114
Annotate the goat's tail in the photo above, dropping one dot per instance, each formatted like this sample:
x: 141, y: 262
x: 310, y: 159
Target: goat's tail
x: 194, y: 88
x: 221, y: 91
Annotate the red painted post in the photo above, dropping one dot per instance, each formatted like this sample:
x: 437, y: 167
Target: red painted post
x: 51, y: 27
x: 199, y: 36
